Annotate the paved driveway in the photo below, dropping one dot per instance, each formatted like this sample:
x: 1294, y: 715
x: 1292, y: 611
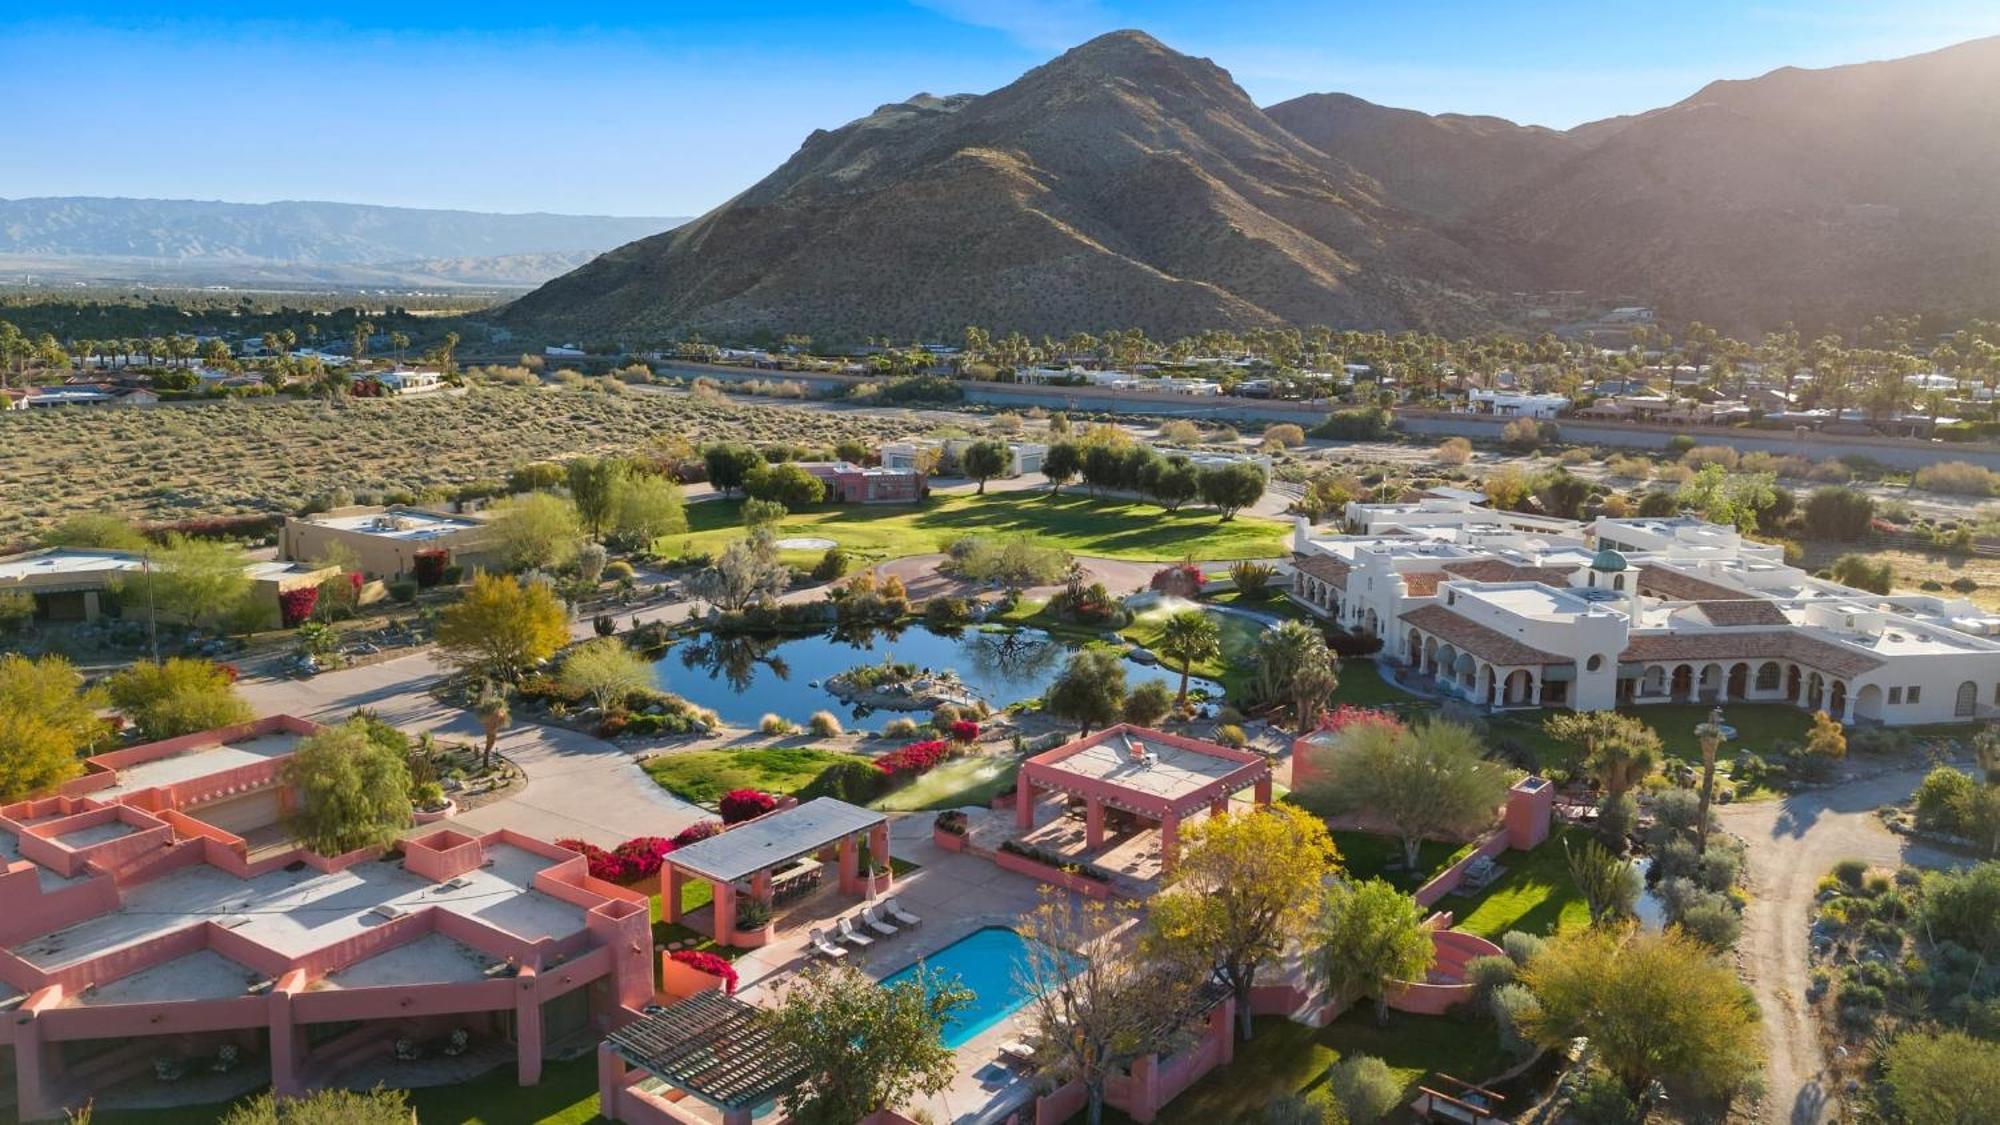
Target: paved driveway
x: 577, y: 785
x: 1792, y: 843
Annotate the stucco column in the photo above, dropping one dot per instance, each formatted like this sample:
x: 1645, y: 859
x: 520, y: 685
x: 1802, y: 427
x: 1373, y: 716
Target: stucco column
x: 92, y: 605
x: 1093, y: 823
x: 1145, y: 1088
x: 725, y: 913
x: 527, y: 1028
x: 670, y: 893
x: 32, y: 1085
x: 610, y: 1081
x: 1024, y: 801
x: 1847, y: 707
x: 287, y: 1045
x: 1170, y: 842
x: 760, y: 886
x: 1262, y: 791
x: 850, y: 865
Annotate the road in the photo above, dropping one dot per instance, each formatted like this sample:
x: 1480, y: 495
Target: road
x: 1792, y: 843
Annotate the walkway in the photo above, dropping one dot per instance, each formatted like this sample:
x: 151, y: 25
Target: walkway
x: 577, y: 785
x: 1792, y: 843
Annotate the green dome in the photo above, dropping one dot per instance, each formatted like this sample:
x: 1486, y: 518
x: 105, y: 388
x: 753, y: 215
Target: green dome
x: 1608, y: 559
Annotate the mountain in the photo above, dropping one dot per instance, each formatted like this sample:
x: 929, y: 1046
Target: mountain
x: 342, y: 243
x: 1121, y: 184
x: 1820, y: 196
x: 1126, y: 185
x: 1443, y: 167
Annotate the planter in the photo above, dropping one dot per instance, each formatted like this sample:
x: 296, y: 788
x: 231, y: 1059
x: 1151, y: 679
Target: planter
x: 949, y: 841
x: 682, y: 981
x: 1054, y: 876
x: 422, y: 816
x: 755, y: 938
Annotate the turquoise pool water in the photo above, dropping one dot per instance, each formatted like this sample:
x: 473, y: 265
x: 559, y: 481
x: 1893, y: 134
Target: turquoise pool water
x: 986, y: 961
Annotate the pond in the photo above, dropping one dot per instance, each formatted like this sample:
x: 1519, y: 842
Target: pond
x: 743, y: 678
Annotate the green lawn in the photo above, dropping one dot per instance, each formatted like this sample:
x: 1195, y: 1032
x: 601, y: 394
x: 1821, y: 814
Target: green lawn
x: 1287, y: 1058
x: 959, y: 782
x: 1235, y: 666
x: 703, y: 776
x: 1535, y: 894
x: 567, y: 1095
x: 1367, y: 855
x: 1362, y: 685
x: 1106, y: 528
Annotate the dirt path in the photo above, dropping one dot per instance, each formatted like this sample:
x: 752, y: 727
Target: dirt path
x: 1792, y: 843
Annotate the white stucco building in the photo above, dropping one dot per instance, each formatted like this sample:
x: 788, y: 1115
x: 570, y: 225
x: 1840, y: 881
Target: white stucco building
x: 1506, y: 610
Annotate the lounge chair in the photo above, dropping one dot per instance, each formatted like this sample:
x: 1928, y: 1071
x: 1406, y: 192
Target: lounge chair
x: 845, y: 930
x: 825, y: 948
x: 1016, y: 1052
x: 874, y: 922
x: 895, y: 910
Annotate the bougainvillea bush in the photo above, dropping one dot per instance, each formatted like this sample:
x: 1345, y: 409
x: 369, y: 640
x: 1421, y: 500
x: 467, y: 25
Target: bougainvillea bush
x: 964, y: 730
x: 709, y: 963
x: 906, y: 762
x: 1348, y: 715
x: 739, y: 805
x: 295, y: 606
x: 635, y: 859
x: 695, y: 833
x: 1182, y: 580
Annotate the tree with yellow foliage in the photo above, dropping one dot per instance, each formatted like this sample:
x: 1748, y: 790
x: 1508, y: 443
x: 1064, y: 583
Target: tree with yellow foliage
x: 502, y: 627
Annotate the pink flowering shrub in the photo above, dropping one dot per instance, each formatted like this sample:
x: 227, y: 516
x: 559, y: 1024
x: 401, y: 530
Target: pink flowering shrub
x: 1182, y: 580
x: 629, y: 862
x: 739, y: 805
x: 703, y: 962
x: 695, y: 833
x: 964, y: 730
x: 1348, y: 715
x: 906, y: 762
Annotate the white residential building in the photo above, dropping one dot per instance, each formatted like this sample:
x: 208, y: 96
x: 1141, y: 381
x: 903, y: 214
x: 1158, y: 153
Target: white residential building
x: 1516, y: 404
x: 1507, y: 611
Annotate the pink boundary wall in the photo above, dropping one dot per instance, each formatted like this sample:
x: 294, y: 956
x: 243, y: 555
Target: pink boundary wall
x: 611, y: 956
x: 1151, y: 1081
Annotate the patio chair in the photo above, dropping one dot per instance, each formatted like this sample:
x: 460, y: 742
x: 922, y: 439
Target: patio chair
x: 875, y: 922
x: 1016, y: 1053
x: 847, y: 933
x: 895, y: 910
x: 825, y: 948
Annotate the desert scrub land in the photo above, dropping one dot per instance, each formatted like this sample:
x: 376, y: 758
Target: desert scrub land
x: 168, y: 463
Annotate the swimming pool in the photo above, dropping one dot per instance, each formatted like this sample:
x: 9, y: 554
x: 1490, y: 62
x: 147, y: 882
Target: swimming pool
x: 986, y: 961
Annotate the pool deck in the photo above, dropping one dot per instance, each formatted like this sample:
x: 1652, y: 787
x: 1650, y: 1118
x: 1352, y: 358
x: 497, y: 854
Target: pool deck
x: 955, y: 894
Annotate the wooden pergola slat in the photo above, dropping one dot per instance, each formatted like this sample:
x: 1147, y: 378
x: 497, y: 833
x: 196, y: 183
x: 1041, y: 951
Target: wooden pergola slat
x: 714, y: 1047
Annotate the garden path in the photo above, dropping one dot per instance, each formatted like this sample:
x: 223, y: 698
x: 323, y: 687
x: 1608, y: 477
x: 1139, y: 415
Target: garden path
x: 1792, y: 842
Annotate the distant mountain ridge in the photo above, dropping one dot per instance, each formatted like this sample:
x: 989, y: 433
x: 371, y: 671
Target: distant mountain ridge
x: 203, y: 240
x: 1126, y: 184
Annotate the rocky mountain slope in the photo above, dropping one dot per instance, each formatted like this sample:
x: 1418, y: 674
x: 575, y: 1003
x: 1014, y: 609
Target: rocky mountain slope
x: 1124, y: 184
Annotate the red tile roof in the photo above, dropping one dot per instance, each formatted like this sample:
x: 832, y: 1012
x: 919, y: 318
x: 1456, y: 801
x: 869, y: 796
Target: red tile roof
x: 1675, y: 586
x: 1486, y: 643
x: 1326, y: 568
x: 1838, y: 660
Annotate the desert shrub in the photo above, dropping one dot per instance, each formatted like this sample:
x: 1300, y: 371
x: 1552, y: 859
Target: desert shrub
x: 1599, y: 1099
x: 1231, y: 735
x: 1629, y: 468
x: 1863, y: 573
x: 1365, y: 424
x: 1838, y: 513
x: 1180, y: 432
x: 1959, y: 478
x: 1252, y: 579
x: 1365, y: 1087
x: 1285, y: 434
x: 1713, y: 922
x: 1511, y: 1006
x: 1940, y: 797
x: 1148, y: 703
x: 776, y: 726
x: 403, y: 590
x: 900, y: 728
x: 1521, y: 434
x: 831, y: 565
x: 824, y: 724
x: 1850, y: 872
x: 1830, y: 471
x: 1454, y: 451
x: 1521, y: 946
x: 1488, y: 973
x: 1679, y: 444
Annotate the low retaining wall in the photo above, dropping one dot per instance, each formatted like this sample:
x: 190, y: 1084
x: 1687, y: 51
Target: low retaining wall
x: 1151, y: 1081
x: 948, y: 841
x: 1447, y: 881
x: 1054, y: 876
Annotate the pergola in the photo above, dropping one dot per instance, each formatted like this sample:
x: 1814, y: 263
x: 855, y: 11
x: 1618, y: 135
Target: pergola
x: 1162, y: 777
x: 741, y: 860
x: 715, y: 1047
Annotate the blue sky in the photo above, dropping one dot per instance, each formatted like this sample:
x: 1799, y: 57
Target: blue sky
x: 670, y: 107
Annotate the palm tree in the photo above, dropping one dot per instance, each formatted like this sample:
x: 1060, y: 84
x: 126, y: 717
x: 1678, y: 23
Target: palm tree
x: 1295, y: 666
x: 1189, y: 636
x: 494, y: 715
x: 401, y: 343
x: 362, y: 332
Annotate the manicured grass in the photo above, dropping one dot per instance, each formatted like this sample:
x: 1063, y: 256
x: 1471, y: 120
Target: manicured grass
x: 1291, y: 1058
x: 703, y: 776
x: 1367, y: 855
x: 1235, y: 666
x: 957, y: 783
x: 1116, y: 529
x: 1759, y: 726
x: 567, y: 1095
x: 1362, y: 685
x: 1535, y: 894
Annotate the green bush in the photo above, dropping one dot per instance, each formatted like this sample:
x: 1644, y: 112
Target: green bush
x: 403, y: 590
x: 1940, y: 797
x: 1365, y: 1087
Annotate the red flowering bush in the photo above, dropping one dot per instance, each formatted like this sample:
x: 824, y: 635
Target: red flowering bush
x: 429, y: 566
x: 908, y: 761
x: 703, y: 962
x: 1348, y: 715
x: 695, y: 833
x: 635, y: 859
x: 964, y: 730
x: 230, y: 672
x: 1182, y: 580
x: 295, y: 607
x: 739, y: 805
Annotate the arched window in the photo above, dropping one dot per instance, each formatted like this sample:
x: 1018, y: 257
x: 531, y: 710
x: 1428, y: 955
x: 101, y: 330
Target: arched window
x: 1618, y: 582
x: 1767, y: 676
x: 1967, y: 701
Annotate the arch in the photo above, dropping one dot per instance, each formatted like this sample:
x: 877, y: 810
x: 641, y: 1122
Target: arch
x: 1683, y: 687
x: 1739, y: 681
x: 1654, y: 682
x: 1967, y: 702
x: 1709, y: 682
x: 1792, y: 682
x: 1768, y: 675
x: 1520, y: 687
x: 1373, y: 624
x: 1815, y: 692
x: 1464, y: 668
x: 1431, y: 655
x: 1618, y: 582
x: 1413, y: 652
x: 1489, y: 689
x: 1868, y: 702
x: 1838, y: 707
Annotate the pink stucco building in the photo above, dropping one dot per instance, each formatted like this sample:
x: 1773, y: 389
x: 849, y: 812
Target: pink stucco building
x: 157, y: 926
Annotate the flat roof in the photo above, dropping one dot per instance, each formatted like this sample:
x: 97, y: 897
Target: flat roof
x: 397, y: 523
x: 1528, y: 600
x: 1145, y: 763
x: 62, y: 560
x: 200, y: 761
x: 201, y: 975
x: 431, y: 959
x: 774, y: 839
x: 297, y: 912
